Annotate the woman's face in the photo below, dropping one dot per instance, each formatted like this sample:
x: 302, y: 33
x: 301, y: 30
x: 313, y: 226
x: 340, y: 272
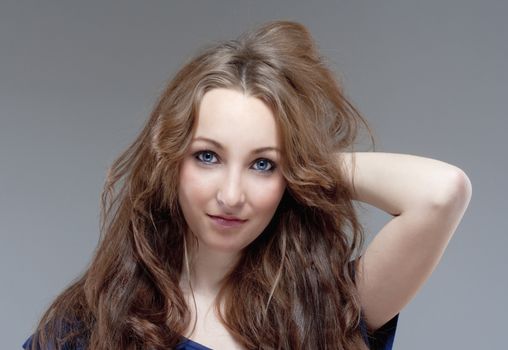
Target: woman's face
x: 231, y: 170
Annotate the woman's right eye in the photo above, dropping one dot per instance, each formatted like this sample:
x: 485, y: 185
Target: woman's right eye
x: 205, y: 156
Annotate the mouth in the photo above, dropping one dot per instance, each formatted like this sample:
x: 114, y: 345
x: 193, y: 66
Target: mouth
x: 227, y: 218
x: 226, y: 222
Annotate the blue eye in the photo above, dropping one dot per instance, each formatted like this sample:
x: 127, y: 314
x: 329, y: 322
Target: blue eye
x: 207, y: 156
x: 265, y: 165
x: 262, y: 165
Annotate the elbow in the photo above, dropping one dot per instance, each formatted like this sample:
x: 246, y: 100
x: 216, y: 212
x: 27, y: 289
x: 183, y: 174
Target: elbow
x: 455, y: 191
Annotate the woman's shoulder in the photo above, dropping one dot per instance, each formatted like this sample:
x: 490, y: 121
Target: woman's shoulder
x: 75, y: 343
x: 32, y: 343
x: 68, y: 335
x: 382, y: 338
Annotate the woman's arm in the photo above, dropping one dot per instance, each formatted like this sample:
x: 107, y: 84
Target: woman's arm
x: 427, y: 198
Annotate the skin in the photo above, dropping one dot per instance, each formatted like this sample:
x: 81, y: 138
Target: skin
x: 228, y: 180
x: 427, y: 199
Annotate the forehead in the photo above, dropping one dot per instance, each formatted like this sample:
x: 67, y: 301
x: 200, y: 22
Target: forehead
x: 236, y: 119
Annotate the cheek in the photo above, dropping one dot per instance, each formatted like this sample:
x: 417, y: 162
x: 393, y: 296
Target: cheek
x: 266, y: 196
x: 193, y: 186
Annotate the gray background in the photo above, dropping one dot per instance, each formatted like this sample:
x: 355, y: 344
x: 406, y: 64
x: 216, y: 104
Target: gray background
x: 78, y: 79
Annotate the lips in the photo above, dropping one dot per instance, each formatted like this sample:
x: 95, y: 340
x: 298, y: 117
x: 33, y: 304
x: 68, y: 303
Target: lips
x: 222, y: 223
x: 227, y: 218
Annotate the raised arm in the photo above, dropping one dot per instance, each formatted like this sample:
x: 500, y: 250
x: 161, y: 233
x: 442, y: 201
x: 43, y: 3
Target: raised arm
x: 427, y: 198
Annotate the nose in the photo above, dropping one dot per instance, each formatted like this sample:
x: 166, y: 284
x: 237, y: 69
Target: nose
x: 230, y: 194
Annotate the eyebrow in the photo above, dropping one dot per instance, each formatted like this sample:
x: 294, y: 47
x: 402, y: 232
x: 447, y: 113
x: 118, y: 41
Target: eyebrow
x: 219, y: 146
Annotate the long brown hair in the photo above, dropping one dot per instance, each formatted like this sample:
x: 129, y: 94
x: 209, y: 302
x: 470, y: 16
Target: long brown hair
x: 293, y: 287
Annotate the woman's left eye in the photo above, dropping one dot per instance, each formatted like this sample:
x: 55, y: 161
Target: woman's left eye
x: 265, y: 165
x: 261, y: 164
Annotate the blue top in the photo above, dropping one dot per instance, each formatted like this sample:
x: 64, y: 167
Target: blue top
x: 381, y: 339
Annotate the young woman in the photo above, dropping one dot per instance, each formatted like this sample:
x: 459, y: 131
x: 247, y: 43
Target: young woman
x: 229, y: 222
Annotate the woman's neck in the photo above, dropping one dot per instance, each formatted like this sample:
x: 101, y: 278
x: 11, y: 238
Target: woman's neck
x: 207, y: 269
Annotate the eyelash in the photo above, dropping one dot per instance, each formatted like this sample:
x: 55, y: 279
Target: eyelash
x: 272, y: 164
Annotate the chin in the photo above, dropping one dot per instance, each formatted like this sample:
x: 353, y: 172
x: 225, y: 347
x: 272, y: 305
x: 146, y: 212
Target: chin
x: 219, y: 244
x: 225, y: 247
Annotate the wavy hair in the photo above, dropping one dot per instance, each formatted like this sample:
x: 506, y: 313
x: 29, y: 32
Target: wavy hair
x: 293, y: 287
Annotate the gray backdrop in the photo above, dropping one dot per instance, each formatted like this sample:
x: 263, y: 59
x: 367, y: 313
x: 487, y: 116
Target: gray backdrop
x: 78, y: 79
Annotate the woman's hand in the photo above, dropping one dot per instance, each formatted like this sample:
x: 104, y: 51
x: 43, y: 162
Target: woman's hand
x: 427, y: 198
